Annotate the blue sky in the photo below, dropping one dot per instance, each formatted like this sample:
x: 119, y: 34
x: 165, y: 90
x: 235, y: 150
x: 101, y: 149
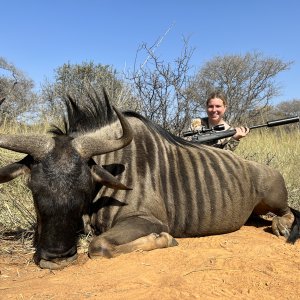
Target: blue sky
x: 39, y: 36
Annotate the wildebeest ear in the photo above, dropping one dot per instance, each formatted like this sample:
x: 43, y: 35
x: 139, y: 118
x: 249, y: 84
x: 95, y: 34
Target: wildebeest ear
x: 16, y: 169
x: 104, y: 177
x: 12, y: 171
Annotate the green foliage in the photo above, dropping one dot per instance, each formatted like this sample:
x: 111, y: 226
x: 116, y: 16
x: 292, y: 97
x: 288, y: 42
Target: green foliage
x: 79, y: 81
x: 73, y: 79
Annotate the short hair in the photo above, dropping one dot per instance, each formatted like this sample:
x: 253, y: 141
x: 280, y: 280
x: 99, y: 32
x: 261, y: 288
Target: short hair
x: 217, y: 94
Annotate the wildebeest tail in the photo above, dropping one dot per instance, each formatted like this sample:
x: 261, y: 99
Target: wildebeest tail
x: 295, y: 231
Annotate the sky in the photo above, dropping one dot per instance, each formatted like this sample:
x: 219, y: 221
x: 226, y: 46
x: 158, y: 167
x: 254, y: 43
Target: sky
x: 38, y: 36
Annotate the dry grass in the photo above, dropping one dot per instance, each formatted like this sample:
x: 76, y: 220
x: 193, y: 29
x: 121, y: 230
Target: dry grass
x: 279, y: 149
x: 17, y: 217
x: 16, y: 206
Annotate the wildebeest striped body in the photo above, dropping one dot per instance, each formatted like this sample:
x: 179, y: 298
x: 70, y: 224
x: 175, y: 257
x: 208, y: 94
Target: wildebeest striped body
x: 194, y: 190
x: 136, y: 186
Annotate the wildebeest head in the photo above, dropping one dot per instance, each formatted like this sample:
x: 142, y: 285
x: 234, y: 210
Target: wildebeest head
x: 63, y: 178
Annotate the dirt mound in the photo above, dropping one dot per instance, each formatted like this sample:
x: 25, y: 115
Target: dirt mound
x: 248, y: 264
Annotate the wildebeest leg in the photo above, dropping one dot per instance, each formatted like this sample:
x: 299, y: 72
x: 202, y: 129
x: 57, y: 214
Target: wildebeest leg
x: 275, y: 199
x: 282, y: 222
x: 87, y: 228
x: 130, y: 235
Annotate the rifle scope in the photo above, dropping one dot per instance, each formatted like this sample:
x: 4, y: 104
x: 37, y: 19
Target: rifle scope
x: 220, y: 127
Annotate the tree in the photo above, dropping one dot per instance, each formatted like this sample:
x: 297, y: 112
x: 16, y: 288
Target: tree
x: 282, y: 110
x: 247, y: 81
x: 16, y: 95
x: 76, y: 80
x: 289, y: 108
x: 161, y: 88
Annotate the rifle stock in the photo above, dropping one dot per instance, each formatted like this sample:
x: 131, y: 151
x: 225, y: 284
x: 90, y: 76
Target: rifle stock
x: 217, y: 135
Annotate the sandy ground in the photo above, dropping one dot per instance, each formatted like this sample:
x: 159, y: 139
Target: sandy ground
x: 250, y: 263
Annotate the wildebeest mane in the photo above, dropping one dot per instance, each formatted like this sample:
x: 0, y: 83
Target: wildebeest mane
x: 97, y: 112
x: 87, y: 116
x: 173, y: 139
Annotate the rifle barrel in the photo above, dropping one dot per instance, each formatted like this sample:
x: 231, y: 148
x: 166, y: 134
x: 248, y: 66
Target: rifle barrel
x: 278, y: 122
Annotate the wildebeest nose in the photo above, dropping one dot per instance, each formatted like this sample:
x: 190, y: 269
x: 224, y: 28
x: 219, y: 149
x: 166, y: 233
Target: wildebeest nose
x: 58, y: 263
x: 51, y: 254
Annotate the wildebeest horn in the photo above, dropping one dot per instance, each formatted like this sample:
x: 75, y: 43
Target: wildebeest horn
x: 90, y: 145
x: 35, y: 145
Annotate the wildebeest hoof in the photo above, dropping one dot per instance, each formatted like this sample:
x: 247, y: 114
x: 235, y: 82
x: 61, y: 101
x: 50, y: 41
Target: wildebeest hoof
x: 101, y: 247
x: 163, y: 240
x: 282, y: 225
x: 171, y: 241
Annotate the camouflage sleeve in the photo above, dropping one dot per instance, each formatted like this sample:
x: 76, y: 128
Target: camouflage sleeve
x: 231, y: 144
x: 227, y: 144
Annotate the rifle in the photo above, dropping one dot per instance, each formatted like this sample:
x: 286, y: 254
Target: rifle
x: 217, y: 132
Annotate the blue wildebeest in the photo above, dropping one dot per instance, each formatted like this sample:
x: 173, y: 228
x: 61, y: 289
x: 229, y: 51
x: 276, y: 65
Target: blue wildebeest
x: 136, y: 186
